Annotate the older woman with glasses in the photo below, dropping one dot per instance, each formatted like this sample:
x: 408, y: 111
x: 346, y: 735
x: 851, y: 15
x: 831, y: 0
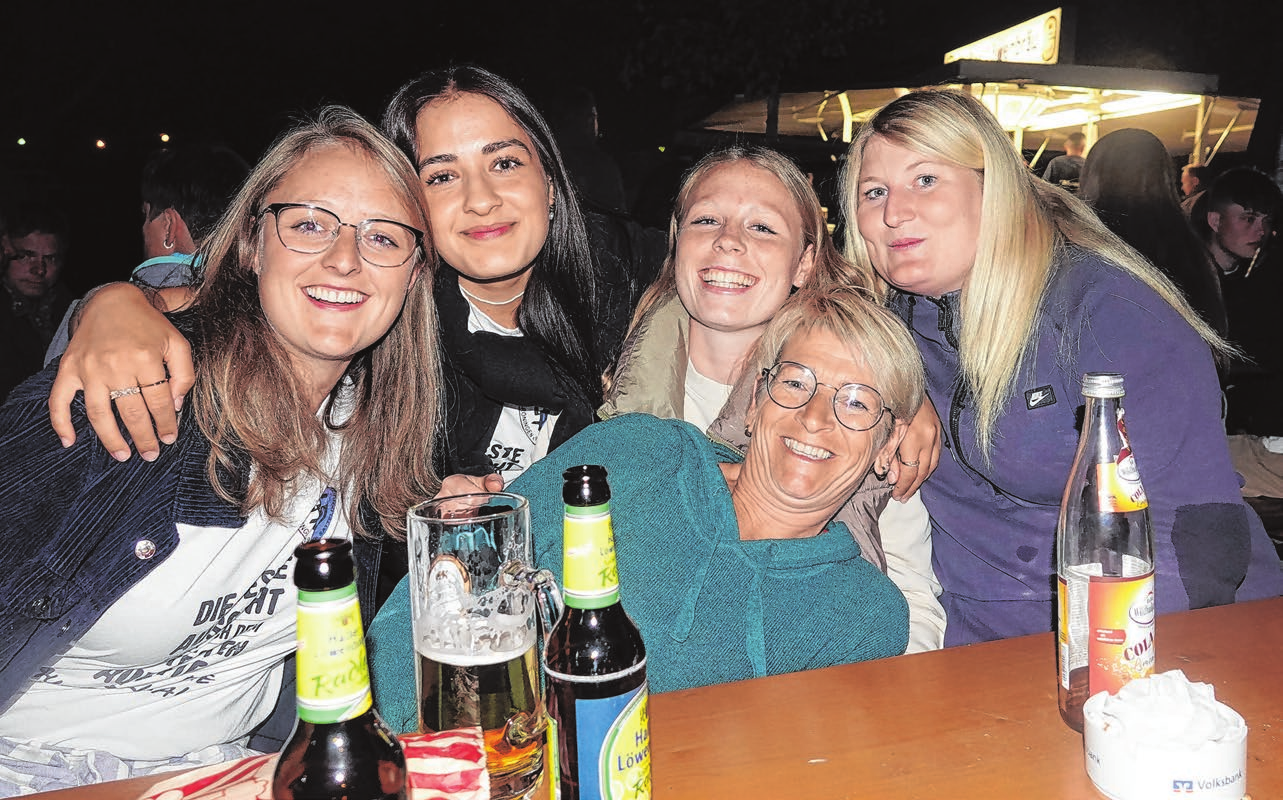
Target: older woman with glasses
x: 732, y: 564
x: 147, y: 614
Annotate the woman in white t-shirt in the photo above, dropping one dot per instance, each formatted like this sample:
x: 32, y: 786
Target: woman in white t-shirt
x: 747, y: 229
x: 148, y: 611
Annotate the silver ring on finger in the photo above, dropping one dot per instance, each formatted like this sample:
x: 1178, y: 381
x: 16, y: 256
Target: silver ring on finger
x: 116, y: 394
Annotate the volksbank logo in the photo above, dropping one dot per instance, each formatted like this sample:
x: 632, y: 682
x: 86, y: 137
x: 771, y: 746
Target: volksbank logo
x: 1203, y: 784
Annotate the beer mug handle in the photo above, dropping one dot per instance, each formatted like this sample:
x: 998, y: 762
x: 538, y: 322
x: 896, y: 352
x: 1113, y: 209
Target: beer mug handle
x: 544, y: 585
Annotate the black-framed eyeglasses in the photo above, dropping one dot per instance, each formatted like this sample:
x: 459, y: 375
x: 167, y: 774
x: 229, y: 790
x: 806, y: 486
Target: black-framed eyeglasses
x: 305, y: 228
x: 856, y: 406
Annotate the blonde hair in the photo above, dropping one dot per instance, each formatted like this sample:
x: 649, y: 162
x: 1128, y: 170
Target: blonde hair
x: 831, y: 269
x: 875, y: 335
x: 1025, y: 226
x: 248, y: 399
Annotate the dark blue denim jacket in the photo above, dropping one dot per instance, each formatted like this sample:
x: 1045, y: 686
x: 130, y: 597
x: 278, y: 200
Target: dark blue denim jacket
x: 78, y: 529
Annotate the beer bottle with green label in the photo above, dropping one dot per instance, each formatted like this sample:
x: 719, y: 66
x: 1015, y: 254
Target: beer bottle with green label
x: 340, y: 747
x: 595, y: 662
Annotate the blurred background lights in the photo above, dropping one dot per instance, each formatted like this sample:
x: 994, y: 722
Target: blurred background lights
x: 21, y: 141
x: 164, y: 137
x: 100, y: 144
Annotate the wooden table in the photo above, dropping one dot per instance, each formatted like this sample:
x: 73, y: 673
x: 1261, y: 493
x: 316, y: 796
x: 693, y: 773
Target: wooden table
x: 969, y: 722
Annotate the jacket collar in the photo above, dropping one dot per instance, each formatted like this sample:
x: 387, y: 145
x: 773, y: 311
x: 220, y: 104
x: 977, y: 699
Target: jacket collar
x: 196, y: 502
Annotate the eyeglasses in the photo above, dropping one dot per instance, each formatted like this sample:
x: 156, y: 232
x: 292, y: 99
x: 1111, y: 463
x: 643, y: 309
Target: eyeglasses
x: 306, y: 228
x: 856, y: 406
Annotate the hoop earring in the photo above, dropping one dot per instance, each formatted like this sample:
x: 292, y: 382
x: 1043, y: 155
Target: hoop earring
x: 168, y: 245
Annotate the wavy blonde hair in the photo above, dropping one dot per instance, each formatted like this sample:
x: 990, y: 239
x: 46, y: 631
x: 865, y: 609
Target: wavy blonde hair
x: 1025, y: 226
x: 248, y: 399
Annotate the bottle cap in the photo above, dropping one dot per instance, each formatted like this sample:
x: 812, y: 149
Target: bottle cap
x: 585, y: 485
x: 1103, y: 384
x: 323, y: 564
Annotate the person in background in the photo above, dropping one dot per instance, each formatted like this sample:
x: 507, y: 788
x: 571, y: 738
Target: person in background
x: 1013, y: 289
x: 33, y: 299
x: 147, y: 618
x: 184, y: 190
x: 1129, y: 182
x: 746, y: 231
x: 1194, y: 179
x: 1063, y: 171
x: 1237, y: 219
x: 731, y: 563
x: 572, y: 112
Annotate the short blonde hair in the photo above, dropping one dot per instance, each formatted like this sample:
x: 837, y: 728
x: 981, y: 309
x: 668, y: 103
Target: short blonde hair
x: 1025, y: 224
x: 872, y: 333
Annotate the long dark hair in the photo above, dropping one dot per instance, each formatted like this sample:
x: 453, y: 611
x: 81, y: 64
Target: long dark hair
x: 558, y: 309
x: 1129, y: 180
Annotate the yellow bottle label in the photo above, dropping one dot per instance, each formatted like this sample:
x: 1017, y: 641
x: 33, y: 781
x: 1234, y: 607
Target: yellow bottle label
x: 1118, y: 484
x: 1118, y: 492
x: 333, y: 677
x: 552, y: 761
x: 590, y: 573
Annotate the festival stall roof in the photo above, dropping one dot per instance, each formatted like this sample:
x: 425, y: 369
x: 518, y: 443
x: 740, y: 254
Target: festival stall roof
x: 1038, y: 103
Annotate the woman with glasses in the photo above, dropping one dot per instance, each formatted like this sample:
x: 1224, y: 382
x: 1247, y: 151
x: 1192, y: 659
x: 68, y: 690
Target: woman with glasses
x: 731, y: 563
x: 746, y: 230
x: 147, y: 611
x: 1013, y: 289
x: 532, y: 299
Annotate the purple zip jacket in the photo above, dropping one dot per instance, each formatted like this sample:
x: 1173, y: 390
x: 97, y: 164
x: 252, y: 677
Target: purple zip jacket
x: 994, y: 526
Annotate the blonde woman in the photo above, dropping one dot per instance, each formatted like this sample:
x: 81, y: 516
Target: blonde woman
x: 1013, y: 289
x: 747, y: 230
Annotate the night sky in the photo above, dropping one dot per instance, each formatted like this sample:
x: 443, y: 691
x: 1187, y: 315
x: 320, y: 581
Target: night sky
x: 237, y: 72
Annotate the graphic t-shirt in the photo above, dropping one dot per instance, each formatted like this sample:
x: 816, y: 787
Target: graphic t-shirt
x: 523, y: 433
x: 192, y: 655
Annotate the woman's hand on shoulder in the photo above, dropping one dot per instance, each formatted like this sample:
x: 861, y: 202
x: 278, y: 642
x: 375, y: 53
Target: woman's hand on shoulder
x: 919, y: 452
x: 122, y: 343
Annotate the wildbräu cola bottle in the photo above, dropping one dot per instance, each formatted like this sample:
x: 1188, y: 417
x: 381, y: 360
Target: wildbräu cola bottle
x: 340, y: 747
x: 1105, y: 558
x: 595, y: 660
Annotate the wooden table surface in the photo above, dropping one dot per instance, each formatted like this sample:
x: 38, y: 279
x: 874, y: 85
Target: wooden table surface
x: 977, y: 722
x: 968, y: 722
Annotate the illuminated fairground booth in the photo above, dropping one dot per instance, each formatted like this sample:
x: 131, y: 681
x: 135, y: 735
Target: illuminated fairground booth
x: 1022, y: 74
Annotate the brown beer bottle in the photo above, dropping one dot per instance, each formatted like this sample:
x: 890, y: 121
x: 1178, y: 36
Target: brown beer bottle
x: 1104, y: 559
x: 595, y: 661
x: 340, y: 747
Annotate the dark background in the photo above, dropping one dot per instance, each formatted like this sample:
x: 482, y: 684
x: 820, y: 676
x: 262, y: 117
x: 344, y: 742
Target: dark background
x: 238, y: 72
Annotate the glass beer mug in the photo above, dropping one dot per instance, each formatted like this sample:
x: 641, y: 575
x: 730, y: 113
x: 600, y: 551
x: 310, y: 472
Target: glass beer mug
x: 474, y: 611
